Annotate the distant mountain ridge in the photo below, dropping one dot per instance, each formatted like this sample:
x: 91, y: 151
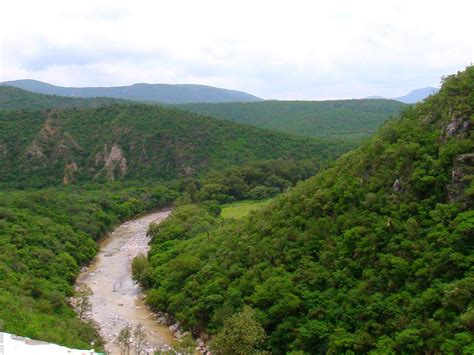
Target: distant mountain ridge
x: 417, y: 95
x: 12, y: 98
x: 412, y: 97
x: 163, y: 93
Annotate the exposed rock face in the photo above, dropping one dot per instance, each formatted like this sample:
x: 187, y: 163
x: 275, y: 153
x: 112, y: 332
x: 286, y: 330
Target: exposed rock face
x: 457, y: 126
x: 69, y: 172
x: 113, y: 161
x: 39, y: 145
x: 50, y: 144
x: 461, y: 175
x: 188, y: 171
x: 397, y: 186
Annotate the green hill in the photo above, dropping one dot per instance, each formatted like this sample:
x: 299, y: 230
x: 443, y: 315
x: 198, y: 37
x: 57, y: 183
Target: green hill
x: 163, y: 93
x: 347, y: 119
x: 12, y: 98
x: 134, y: 142
x: 374, y: 255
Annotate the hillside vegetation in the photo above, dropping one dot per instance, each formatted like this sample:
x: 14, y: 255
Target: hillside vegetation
x: 12, y: 98
x: 372, y: 255
x: 350, y: 120
x: 47, y: 235
x: 242, y: 208
x: 45, y: 238
x: 135, y: 142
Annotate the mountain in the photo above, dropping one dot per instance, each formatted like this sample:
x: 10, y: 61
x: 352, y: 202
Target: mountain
x: 135, y: 142
x: 374, y: 255
x: 417, y: 95
x: 350, y: 120
x: 12, y: 98
x: 412, y: 97
x: 374, y: 97
x: 162, y: 93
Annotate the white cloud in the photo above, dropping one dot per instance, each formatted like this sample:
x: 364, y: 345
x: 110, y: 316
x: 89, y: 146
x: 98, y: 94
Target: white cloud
x: 274, y: 49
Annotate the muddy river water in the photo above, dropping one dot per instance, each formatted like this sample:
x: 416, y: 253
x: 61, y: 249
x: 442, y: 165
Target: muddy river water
x: 116, y: 299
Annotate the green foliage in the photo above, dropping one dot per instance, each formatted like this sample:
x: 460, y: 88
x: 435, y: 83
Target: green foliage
x: 255, y: 181
x: 135, y: 143
x: 240, y: 334
x: 186, y: 345
x: 372, y: 255
x: 349, y: 120
x: 140, y: 268
x: 242, y: 208
x: 45, y: 237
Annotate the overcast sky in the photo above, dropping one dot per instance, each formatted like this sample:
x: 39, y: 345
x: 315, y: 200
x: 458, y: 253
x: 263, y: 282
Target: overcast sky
x: 273, y: 49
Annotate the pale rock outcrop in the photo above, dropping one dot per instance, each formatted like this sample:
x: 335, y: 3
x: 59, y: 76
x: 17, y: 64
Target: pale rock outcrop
x: 112, y: 160
x: 69, y: 172
x: 461, y: 175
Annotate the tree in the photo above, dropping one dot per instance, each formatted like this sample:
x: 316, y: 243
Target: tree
x: 186, y: 345
x: 140, y: 268
x: 241, y: 334
x: 139, y: 338
x: 82, y: 301
x: 124, y: 340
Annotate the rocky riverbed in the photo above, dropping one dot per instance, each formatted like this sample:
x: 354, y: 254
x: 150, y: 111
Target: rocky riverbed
x: 117, y: 300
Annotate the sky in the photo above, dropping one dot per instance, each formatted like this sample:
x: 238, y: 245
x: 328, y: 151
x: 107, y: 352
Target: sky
x: 273, y: 49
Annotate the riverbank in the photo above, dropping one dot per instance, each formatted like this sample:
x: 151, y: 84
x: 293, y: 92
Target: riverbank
x: 117, y: 300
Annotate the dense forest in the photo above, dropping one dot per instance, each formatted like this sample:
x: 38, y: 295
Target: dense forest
x: 45, y: 238
x: 255, y: 181
x: 371, y: 254
x: 374, y: 254
x: 135, y: 143
x: 349, y: 120
x: 46, y: 235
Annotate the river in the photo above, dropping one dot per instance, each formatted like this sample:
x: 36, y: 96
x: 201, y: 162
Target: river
x: 116, y: 299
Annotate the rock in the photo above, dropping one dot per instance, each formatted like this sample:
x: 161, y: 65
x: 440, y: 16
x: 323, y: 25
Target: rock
x: 397, y: 186
x: 461, y: 175
x: 457, y: 126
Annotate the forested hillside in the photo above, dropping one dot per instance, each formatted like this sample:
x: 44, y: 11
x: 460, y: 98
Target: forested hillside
x: 350, y: 120
x: 375, y: 254
x: 12, y: 98
x: 135, y: 142
x: 46, y: 236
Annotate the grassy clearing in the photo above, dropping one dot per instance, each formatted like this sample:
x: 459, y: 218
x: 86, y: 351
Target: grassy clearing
x: 242, y: 208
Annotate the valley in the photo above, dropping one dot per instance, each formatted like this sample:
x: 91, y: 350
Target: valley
x: 116, y: 300
x: 236, y: 177
x: 304, y: 227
